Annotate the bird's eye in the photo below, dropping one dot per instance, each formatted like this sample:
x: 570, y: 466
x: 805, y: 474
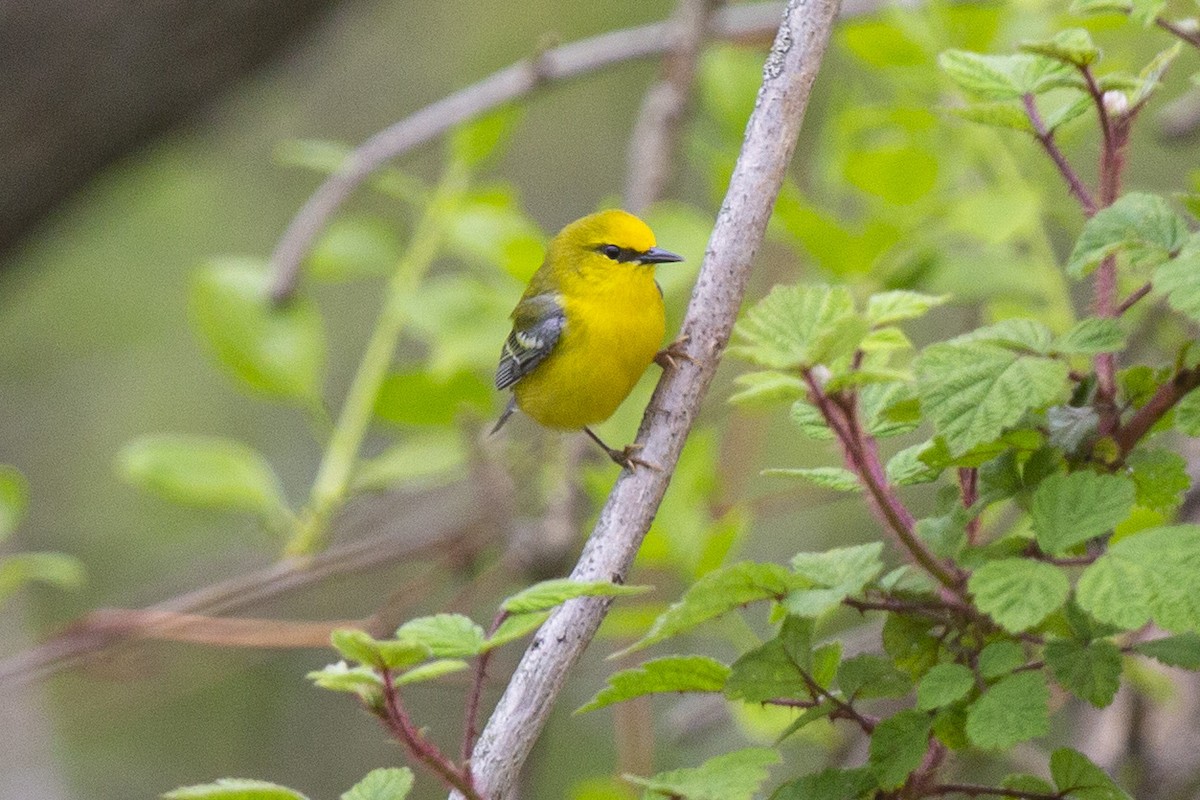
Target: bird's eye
x: 612, y: 251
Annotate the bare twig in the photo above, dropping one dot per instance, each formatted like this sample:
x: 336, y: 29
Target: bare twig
x: 1135, y: 296
x: 770, y: 140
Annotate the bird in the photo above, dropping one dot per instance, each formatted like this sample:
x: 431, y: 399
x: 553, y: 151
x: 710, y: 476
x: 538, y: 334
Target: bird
x: 590, y: 322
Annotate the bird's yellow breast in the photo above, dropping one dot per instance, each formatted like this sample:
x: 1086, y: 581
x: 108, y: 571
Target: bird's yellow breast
x: 614, y: 327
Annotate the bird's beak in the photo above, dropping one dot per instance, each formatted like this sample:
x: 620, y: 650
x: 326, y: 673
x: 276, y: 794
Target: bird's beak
x: 656, y: 255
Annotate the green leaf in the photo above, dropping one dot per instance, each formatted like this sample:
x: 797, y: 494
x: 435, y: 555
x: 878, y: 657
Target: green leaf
x: 54, y: 569
x: 808, y: 419
x: 515, y: 627
x: 341, y: 677
x: 328, y: 157
x: 1089, y: 670
x: 279, y: 351
x: 354, y: 247
x: 431, y: 671
x: 879, y: 44
x: 1150, y: 78
x: 360, y: 646
x: 1073, y: 46
x: 1001, y: 114
x: 767, y: 388
x: 1019, y: 593
x: 732, y: 776
x: 898, y: 746
x: 1150, y: 575
x: 425, y: 459
x: 866, y: 676
x: 1091, y: 336
x: 772, y: 670
x: 475, y: 142
x: 943, y: 685
x: 1080, y: 779
x: 886, y: 308
x: 829, y: 784
x: 1187, y: 414
x: 1182, y: 650
x: 1070, y: 509
x: 836, y: 478
x: 14, y: 497
x: 234, y: 789
x: 203, y: 471
x: 548, y: 594
x: 1000, y: 658
x: 418, y: 397
x: 910, y: 644
x: 1015, y: 709
x: 388, y: 783
x: 1146, y: 11
x: 1160, y: 478
x: 1070, y: 427
x: 492, y: 228
x: 1027, y: 783
x: 661, y: 675
x: 796, y: 327
x: 1004, y: 77
x: 716, y: 593
x: 445, y: 635
x: 838, y: 573
x: 1067, y: 112
x: 1019, y: 333
x: 1179, y: 280
x: 1085, y: 7
x: 898, y: 174
x: 973, y: 391
x: 1143, y: 226
x: 907, y: 469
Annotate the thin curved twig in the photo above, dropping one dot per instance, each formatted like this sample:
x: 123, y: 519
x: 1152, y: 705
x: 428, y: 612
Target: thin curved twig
x: 741, y: 223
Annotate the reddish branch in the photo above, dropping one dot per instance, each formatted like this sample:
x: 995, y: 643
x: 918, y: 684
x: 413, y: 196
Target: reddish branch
x: 1137, y: 294
x: 968, y: 484
x: 1167, y: 396
x: 1045, y: 138
x: 972, y: 790
x: 471, y: 724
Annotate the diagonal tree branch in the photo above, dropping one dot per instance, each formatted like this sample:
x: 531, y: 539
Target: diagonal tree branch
x: 741, y: 223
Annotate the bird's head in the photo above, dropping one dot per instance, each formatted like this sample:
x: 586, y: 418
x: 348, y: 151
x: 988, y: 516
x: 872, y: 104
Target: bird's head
x: 609, y: 240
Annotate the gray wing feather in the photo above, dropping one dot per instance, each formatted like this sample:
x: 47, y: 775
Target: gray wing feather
x: 539, y: 324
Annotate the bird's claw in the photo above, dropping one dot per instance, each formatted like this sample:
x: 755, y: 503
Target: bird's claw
x: 666, y: 358
x: 625, y: 458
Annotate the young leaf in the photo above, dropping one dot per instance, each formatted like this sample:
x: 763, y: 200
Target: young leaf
x: 429, y: 458
x: 973, y: 391
x: 1091, y: 336
x: 477, y: 141
x: 1070, y: 509
x: 836, y: 478
x: 234, y: 789
x: 1160, y: 478
x: 514, y: 627
x: 354, y: 247
x: 493, y: 229
x: 1142, y: 225
x: 359, y: 646
x: 1026, y: 783
x: 1073, y: 46
x: 907, y: 469
x: 867, y: 676
x: 14, y: 497
x: 1089, y: 670
x: 829, y: 784
x: 1085, y: 7
x: 548, y: 594
x: 388, y: 783
x: 55, y: 569
x: 203, y: 471
x: 279, y: 351
x: 808, y: 419
x: 661, y: 675
x: 1019, y: 593
x: 1150, y: 575
x: 767, y: 387
x: 431, y: 671
x: 837, y: 573
x: 1000, y: 658
x: 943, y: 685
x: 445, y: 635
x: 1080, y: 779
x: 1007, y: 114
x: 1010, y: 77
x: 718, y: 592
x: 898, y: 745
x: 1179, y: 280
x: 1187, y: 414
x: 1182, y: 650
x: 796, y: 327
x: 1015, y: 709
x: 767, y: 672
x: 1150, y: 77
x: 732, y: 776
x: 341, y: 677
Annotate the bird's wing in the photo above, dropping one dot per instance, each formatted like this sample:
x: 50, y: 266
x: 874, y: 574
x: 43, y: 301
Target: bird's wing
x: 538, y: 322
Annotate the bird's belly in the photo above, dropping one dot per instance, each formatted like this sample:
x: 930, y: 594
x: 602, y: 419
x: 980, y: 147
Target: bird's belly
x: 593, y: 368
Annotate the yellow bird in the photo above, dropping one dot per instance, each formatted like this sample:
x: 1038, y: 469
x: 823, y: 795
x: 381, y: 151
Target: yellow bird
x: 589, y: 324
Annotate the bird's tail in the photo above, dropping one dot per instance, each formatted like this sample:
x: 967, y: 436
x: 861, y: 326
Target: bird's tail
x: 508, y: 410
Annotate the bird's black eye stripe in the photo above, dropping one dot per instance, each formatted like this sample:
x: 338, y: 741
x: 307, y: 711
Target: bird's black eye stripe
x: 621, y: 254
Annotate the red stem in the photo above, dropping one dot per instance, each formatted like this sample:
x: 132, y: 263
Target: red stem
x: 1046, y: 139
x: 471, y: 723
x: 1137, y: 294
x: 1155, y: 409
x: 968, y: 482
x: 1191, y: 38
x: 972, y: 790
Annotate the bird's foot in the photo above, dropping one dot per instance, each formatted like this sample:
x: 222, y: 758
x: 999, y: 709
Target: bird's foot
x: 624, y: 457
x: 670, y: 356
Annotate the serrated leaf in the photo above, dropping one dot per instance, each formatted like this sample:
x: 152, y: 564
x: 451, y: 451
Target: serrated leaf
x: 1000, y: 658
x: 360, y: 646
x: 1187, y: 414
x: 1026, y: 783
x: 661, y: 675
x: 388, y: 783
x: 1017, y: 592
x: 898, y: 746
x: 445, y: 635
x: 796, y: 327
x: 431, y: 671
x: 548, y: 594
x: 1089, y: 670
x: 973, y: 391
x: 1160, y: 478
x: 767, y: 388
x: 14, y: 497
x: 718, y: 592
x: 1151, y: 75
x: 279, y: 351
x: 836, y: 478
x: 829, y: 784
x: 886, y: 308
x: 848, y: 568
x: 341, y: 677
x: 203, y: 471
x: 1071, y: 428
x: 808, y: 419
x: 515, y: 627
x: 1074, y: 46
x: 772, y: 670
x: 1182, y: 650
x: 732, y: 776
x: 943, y: 685
x: 1018, y: 333
x: 1010, y: 77
x: 1092, y: 335
x: 54, y: 569
x: 999, y: 114
x: 1013, y: 710
x: 1143, y: 226
x: 234, y: 789
x: 1067, y: 112
x: 1069, y: 509
x: 907, y: 469
x: 867, y: 676
x: 1150, y: 575
x: 1080, y: 779
x: 1179, y: 279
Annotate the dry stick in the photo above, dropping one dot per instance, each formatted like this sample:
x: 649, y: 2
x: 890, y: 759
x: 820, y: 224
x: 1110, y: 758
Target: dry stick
x: 741, y: 223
